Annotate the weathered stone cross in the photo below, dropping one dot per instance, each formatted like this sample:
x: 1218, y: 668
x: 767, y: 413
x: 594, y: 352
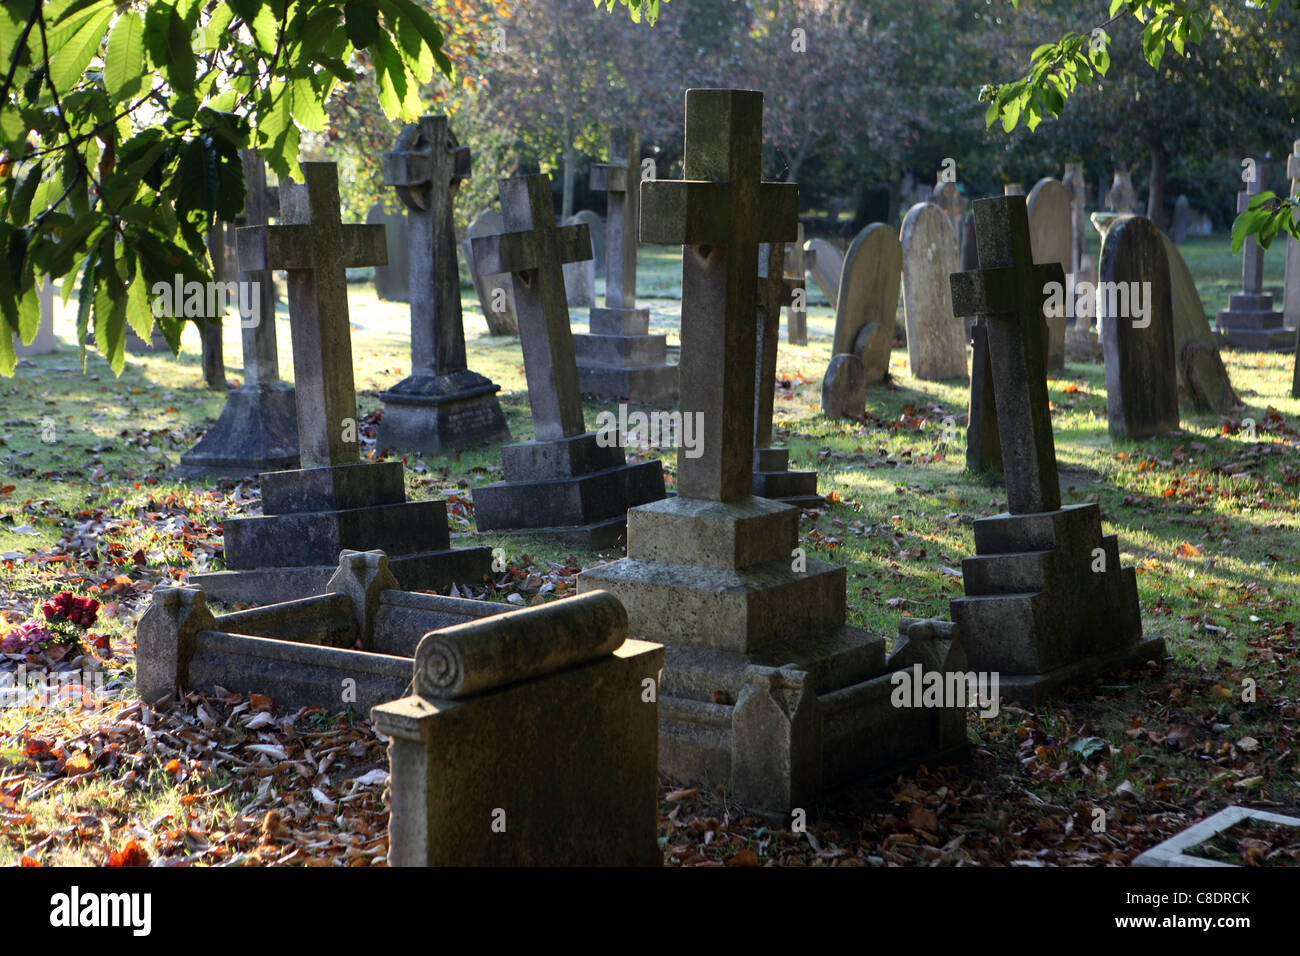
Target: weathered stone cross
x: 775, y: 291
x: 427, y: 166
x: 619, y: 179
x: 720, y: 211
x: 261, y: 203
x: 314, y: 248
x: 1008, y: 289
x: 533, y: 250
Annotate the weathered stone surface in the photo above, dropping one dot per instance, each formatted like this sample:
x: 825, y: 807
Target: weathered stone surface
x: 492, y: 779
x: 1047, y: 602
x: 826, y: 263
x: 983, y: 440
x: 868, y: 299
x: 1050, y: 224
x: 1171, y: 851
x: 496, y: 294
x: 533, y: 497
x: 764, y: 685
x: 393, y: 281
x: 1250, y: 321
x: 954, y: 203
x: 844, y: 389
x: 596, y: 227
x: 1196, y: 348
x: 1182, y: 213
x: 620, y: 360
x: 1121, y: 197
x: 796, y: 318
x: 1077, y: 186
x: 935, y: 347
x: 580, y: 276
x: 1141, y: 376
x: 442, y: 403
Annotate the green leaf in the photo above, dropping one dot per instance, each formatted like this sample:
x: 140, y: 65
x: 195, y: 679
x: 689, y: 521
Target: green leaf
x: 21, y: 205
x: 69, y: 61
x: 266, y: 30
x: 124, y: 61
x: 29, y: 315
x: 308, y: 107
x: 139, y: 314
x: 8, y: 359
x: 361, y: 20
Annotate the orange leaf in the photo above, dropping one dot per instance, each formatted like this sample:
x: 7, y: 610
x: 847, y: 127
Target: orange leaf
x: 259, y: 702
x: 1186, y: 550
x: 133, y: 854
x: 78, y: 764
x: 677, y: 795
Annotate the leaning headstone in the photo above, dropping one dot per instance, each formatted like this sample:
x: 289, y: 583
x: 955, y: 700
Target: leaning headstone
x: 596, y: 227
x: 826, y: 263
x: 796, y: 316
x: 764, y: 685
x: 565, y: 481
x: 620, y: 359
x: 257, y: 430
x: 513, y: 722
x: 393, y: 281
x: 1250, y: 321
x: 1137, y: 331
x: 868, y: 299
x: 935, y: 347
x: 496, y: 295
x: 1291, y: 296
x: 1047, y: 602
x: 772, y: 475
x: 1196, y: 349
x: 580, y: 277
x: 1049, y: 234
x: 44, y: 340
x: 1182, y: 215
x: 442, y: 404
x: 844, y: 388
x: 334, y: 501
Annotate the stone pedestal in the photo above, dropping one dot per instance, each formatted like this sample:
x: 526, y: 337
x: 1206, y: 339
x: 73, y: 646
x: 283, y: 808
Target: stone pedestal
x: 257, y: 431
x: 311, y: 514
x: 621, y: 360
x: 431, y: 413
x: 774, y: 479
x: 571, y: 488
x: 1047, y: 602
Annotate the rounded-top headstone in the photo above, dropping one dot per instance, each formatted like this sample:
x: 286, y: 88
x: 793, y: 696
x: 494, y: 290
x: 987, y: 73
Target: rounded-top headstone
x: 868, y: 299
x: 1050, y: 227
x: 936, y: 345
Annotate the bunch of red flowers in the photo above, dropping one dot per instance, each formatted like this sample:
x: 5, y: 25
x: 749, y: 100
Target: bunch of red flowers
x: 66, y: 607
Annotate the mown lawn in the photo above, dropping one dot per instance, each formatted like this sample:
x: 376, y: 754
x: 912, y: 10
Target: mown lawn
x: 1208, y: 516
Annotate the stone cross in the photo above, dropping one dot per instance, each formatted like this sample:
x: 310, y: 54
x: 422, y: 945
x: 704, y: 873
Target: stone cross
x: 533, y: 250
x: 796, y: 320
x: 1008, y: 290
x: 619, y: 179
x: 427, y: 165
x: 775, y: 291
x: 720, y: 211
x: 315, y: 249
x: 261, y: 203
x: 1252, y: 256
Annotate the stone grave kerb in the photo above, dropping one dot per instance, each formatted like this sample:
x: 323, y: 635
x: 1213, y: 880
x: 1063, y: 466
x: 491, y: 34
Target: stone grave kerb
x: 619, y: 180
x: 533, y: 249
x: 315, y: 249
x: 427, y: 166
x: 719, y: 211
x: 1008, y: 290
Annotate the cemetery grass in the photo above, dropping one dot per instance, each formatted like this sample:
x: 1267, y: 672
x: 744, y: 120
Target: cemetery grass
x: 1208, y: 517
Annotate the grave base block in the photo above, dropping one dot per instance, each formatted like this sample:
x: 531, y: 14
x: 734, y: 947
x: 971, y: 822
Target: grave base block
x: 1251, y: 322
x: 575, y: 487
x: 620, y: 360
x: 257, y: 431
x: 1047, y: 602
x: 429, y: 571
x: 429, y: 414
x: 764, y: 687
x: 1082, y: 345
x: 773, y: 479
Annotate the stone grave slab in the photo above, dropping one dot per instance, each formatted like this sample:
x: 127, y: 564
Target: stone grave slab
x: 1050, y: 224
x: 334, y: 501
x: 257, y: 429
x: 825, y: 261
x: 442, y: 404
x: 764, y: 685
x: 1141, y: 380
x: 619, y: 359
x: 936, y: 350
x: 1200, y: 368
x: 496, y: 295
x: 563, y: 481
x: 1047, y: 602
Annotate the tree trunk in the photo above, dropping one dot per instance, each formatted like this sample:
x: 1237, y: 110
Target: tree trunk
x: 1156, y: 187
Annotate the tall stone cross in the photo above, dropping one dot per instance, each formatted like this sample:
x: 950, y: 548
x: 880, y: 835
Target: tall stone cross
x: 314, y: 247
x: 619, y: 179
x: 776, y: 290
x: 720, y: 211
x: 1008, y: 290
x: 1252, y: 256
x: 533, y: 249
x: 261, y: 203
x: 427, y: 165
